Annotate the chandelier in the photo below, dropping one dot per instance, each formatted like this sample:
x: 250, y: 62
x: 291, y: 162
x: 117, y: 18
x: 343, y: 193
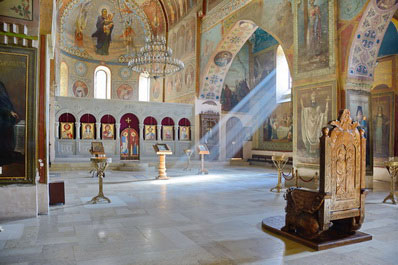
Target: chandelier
x: 155, y: 59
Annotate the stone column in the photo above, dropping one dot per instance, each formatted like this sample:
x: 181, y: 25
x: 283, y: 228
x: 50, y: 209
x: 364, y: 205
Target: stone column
x: 141, y: 127
x: 57, y: 130
x: 176, y: 133
x: 98, y: 130
x: 77, y: 125
x: 159, y: 127
x: 117, y: 131
x: 191, y: 133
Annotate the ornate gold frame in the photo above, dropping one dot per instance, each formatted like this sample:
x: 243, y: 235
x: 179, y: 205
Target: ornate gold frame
x: 332, y: 47
x: 332, y: 105
x: 30, y: 108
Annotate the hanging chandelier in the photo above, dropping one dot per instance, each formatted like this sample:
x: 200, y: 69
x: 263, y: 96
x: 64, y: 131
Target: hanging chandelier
x: 155, y: 59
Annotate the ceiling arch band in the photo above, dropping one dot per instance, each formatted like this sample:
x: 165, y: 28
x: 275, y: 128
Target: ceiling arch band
x: 368, y: 38
x: 221, y: 60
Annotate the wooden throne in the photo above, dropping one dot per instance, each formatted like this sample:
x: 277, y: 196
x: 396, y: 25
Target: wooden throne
x: 339, y: 204
x: 330, y: 217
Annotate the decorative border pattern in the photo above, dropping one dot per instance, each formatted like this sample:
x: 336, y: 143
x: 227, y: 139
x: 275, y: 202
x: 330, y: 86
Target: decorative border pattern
x: 332, y: 44
x: 367, y: 42
x: 230, y: 45
x: 221, y: 11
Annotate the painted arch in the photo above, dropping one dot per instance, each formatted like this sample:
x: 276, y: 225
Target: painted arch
x: 221, y: 60
x: 368, y: 38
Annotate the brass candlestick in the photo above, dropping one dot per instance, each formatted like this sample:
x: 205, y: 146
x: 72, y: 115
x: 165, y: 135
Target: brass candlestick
x: 392, y: 167
x: 100, y: 164
x: 279, y: 162
x: 189, y: 153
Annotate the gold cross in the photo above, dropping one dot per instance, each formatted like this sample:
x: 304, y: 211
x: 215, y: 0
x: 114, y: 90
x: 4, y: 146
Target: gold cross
x: 128, y: 120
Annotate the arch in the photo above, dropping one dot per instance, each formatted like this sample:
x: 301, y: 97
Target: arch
x: 67, y: 126
x: 107, y: 118
x: 150, y: 121
x: 283, y: 77
x: 129, y: 120
x: 67, y: 117
x: 184, y: 122
x: 129, y: 137
x: 367, y: 41
x: 108, y: 127
x: 184, y: 130
x: 168, y: 121
x: 168, y: 129
x: 88, y: 126
x: 234, y: 138
x: 150, y: 128
x: 63, y: 80
x: 221, y: 59
x: 102, y: 82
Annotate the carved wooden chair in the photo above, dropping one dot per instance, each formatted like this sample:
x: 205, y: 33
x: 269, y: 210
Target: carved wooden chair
x: 339, y: 205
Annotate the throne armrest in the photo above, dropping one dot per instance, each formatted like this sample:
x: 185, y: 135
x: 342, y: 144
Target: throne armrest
x: 306, y: 200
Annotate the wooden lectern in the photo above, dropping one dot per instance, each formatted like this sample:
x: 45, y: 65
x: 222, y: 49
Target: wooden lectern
x: 203, y: 150
x: 162, y: 150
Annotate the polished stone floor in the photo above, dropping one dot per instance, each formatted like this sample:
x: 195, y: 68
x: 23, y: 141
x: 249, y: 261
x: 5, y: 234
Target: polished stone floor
x: 189, y: 219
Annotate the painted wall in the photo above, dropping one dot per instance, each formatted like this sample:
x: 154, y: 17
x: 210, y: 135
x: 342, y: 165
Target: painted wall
x: 124, y: 82
x: 180, y: 87
x: 389, y: 45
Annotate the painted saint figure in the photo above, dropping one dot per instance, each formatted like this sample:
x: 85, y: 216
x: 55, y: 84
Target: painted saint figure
x: 124, y: 146
x: 312, y: 122
x: 363, y: 124
x: 8, y: 119
x: 314, y: 29
x: 382, y: 134
x: 134, y: 143
x: 104, y: 32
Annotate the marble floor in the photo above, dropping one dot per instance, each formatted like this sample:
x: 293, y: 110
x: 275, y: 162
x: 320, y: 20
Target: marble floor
x: 189, y: 219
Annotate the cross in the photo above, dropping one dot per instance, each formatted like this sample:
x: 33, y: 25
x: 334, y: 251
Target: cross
x: 128, y: 120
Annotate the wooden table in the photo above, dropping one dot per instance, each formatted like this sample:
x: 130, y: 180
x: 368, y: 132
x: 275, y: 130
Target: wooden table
x: 392, y: 167
x: 100, y: 164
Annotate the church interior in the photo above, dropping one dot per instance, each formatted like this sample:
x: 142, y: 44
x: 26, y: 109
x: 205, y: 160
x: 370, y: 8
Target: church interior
x: 198, y: 131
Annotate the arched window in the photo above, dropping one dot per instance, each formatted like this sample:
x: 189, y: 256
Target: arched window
x: 102, y: 82
x: 144, y: 87
x: 283, y: 78
x: 63, y: 82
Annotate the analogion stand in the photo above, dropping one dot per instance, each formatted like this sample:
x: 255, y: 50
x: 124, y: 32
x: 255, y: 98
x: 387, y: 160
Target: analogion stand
x: 203, y: 150
x: 162, y: 150
x: 392, y: 167
x: 100, y: 164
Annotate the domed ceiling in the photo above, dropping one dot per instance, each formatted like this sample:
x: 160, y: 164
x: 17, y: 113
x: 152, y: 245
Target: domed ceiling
x: 110, y: 30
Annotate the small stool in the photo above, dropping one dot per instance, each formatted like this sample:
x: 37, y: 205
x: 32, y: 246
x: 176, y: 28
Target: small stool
x: 57, y: 192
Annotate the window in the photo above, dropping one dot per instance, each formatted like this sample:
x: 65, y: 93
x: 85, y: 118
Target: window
x: 63, y: 82
x: 283, y: 78
x: 102, y: 82
x: 144, y: 87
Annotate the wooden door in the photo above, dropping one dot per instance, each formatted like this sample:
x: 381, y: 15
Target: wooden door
x: 209, y: 134
x: 129, y: 144
x: 234, y: 138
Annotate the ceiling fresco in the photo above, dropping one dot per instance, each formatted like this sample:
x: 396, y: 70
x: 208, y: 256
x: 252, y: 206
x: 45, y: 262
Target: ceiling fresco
x: 111, y: 30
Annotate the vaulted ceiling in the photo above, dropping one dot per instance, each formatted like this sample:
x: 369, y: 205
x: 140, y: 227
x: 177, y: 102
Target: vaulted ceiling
x: 132, y: 20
